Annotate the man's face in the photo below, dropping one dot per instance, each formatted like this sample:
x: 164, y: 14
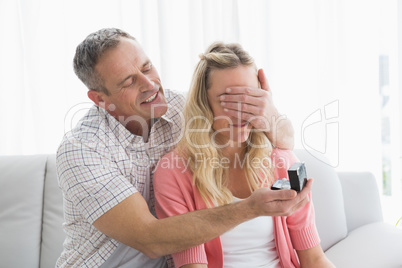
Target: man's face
x: 135, y: 91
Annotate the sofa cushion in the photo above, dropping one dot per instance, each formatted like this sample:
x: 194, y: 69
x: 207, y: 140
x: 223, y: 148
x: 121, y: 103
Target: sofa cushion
x: 364, y: 247
x: 52, y: 231
x: 21, y: 184
x: 327, y: 197
x: 361, y: 198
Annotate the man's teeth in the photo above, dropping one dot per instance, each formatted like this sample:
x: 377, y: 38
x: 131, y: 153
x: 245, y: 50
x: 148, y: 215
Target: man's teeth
x: 151, y: 98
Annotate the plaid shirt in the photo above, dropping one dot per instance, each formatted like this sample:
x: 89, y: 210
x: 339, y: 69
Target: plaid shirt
x: 99, y: 164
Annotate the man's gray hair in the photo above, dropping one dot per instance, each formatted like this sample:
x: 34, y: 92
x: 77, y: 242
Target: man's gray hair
x: 90, y: 50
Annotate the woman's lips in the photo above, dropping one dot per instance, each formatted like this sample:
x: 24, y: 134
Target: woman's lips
x: 240, y: 125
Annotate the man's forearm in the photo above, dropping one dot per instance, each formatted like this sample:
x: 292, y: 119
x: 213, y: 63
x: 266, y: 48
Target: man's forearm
x: 177, y: 233
x: 131, y: 223
x: 281, y: 133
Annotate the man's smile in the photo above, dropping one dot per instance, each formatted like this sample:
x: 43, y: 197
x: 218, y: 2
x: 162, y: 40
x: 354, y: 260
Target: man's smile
x: 151, y: 98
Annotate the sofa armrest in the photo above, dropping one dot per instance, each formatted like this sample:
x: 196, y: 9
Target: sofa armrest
x: 361, y: 199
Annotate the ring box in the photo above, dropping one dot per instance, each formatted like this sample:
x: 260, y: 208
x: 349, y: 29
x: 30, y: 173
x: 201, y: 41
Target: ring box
x: 297, y: 178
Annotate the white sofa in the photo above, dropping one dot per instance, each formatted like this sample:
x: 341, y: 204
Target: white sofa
x: 348, y: 215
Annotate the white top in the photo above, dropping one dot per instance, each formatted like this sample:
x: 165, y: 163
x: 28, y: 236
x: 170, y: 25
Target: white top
x: 250, y: 244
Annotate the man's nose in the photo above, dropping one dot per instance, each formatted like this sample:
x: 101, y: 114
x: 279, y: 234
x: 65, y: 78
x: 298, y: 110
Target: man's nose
x: 146, y: 83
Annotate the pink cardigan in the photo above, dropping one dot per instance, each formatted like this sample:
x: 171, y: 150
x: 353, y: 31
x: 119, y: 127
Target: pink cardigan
x: 175, y: 194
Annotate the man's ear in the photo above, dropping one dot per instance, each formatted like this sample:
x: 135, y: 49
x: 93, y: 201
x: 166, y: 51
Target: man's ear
x: 96, y: 97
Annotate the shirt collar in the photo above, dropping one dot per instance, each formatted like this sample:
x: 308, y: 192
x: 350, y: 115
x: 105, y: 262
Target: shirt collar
x: 125, y: 137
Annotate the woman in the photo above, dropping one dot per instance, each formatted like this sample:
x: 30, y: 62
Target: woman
x: 221, y: 160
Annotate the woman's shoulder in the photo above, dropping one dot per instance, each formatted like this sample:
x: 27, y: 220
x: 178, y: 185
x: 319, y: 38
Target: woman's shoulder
x: 173, y: 162
x: 170, y: 155
x: 172, y: 172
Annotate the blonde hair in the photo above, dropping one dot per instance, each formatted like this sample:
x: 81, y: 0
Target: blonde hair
x: 211, y: 180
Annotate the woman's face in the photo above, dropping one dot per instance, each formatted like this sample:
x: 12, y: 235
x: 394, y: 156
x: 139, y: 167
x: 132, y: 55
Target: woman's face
x: 227, y: 129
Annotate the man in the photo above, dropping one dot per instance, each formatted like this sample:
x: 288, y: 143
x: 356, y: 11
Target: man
x: 105, y: 163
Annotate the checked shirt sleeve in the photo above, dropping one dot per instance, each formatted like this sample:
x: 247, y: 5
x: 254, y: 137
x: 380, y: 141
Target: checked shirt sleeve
x: 90, y: 180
